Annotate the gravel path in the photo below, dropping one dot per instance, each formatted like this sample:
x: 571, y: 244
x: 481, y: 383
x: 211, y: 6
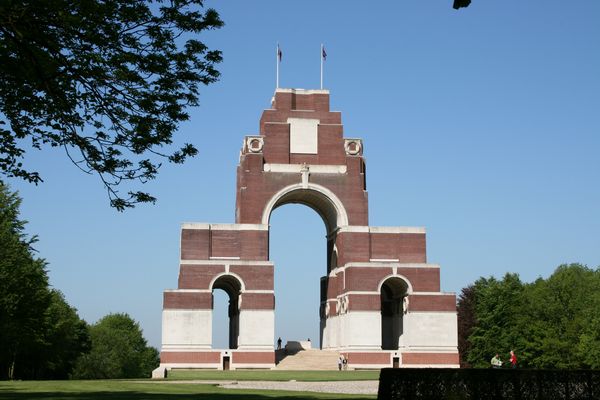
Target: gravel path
x: 346, y: 387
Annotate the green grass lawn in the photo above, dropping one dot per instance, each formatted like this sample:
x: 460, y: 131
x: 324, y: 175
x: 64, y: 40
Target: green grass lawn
x: 274, y: 375
x: 145, y: 390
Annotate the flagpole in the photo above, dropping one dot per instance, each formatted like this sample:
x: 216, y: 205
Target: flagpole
x: 321, y: 66
x: 277, y: 63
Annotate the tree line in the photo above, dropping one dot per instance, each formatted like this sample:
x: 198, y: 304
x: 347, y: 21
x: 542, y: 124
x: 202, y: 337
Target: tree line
x: 549, y: 323
x: 41, y: 335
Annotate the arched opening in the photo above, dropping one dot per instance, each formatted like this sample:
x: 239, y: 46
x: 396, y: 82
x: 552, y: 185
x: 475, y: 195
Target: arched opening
x: 298, y: 250
x: 309, y: 248
x: 317, y: 197
x: 393, y: 306
x: 232, y: 287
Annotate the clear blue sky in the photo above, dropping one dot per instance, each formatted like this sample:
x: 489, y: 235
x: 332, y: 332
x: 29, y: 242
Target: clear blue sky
x: 483, y: 125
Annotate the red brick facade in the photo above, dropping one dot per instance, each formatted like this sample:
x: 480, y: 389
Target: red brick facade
x: 187, y: 300
x: 191, y: 357
x: 368, y: 358
x: 258, y: 357
x: 430, y: 358
x: 301, y: 156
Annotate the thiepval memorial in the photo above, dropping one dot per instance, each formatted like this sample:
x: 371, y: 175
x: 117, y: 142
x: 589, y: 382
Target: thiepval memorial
x: 381, y: 304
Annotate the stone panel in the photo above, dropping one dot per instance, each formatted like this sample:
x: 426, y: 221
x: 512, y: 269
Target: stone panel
x: 186, y: 329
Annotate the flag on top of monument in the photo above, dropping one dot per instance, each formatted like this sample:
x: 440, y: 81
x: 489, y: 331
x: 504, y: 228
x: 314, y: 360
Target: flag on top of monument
x: 279, y: 53
x: 324, y: 53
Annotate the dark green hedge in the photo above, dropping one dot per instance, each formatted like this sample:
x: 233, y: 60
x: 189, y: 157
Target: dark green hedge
x: 496, y: 384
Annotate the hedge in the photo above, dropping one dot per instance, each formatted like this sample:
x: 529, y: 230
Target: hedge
x: 496, y: 384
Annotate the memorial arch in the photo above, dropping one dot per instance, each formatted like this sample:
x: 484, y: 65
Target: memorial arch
x: 381, y: 303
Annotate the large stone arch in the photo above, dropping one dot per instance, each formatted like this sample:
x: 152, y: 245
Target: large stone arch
x: 301, y: 156
x: 319, y: 198
x: 333, y: 214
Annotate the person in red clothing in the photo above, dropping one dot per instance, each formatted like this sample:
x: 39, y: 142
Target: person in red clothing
x: 513, y: 359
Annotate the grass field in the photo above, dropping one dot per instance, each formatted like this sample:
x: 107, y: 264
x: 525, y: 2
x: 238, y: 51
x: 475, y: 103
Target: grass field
x: 144, y: 390
x: 275, y: 375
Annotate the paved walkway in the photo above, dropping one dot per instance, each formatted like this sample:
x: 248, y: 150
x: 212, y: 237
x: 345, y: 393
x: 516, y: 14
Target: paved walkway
x: 346, y: 387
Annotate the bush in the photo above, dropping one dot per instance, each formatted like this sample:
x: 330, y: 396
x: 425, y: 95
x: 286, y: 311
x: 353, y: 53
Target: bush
x: 522, y: 384
x: 119, y: 350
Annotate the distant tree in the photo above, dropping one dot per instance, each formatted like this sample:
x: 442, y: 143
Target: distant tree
x: 41, y: 336
x: 118, y: 350
x: 550, y: 323
x: 589, y: 341
x: 498, y: 307
x: 66, y: 339
x: 24, y: 295
x: 108, y: 81
x: 560, y: 323
x: 466, y: 322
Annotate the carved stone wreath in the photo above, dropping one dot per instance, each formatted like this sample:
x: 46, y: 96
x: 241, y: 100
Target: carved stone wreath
x: 352, y: 146
x: 255, y: 144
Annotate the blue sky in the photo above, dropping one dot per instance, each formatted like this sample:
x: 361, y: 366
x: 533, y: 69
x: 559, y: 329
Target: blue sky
x: 483, y: 125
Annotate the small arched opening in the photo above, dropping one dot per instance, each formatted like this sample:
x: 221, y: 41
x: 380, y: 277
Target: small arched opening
x: 233, y: 288
x: 394, y: 293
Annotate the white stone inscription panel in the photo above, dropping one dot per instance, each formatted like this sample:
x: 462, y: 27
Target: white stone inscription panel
x: 303, y: 135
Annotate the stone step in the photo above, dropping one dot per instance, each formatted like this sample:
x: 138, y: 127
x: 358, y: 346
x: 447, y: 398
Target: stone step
x: 309, y: 360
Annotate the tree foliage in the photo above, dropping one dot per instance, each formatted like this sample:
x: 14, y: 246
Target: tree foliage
x: 108, y: 81
x: 41, y: 336
x: 23, y: 287
x: 497, y: 304
x: 66, y: 339
x: 460, y: 4
x: 550, y: 323
x: 118, y: 350
x: 466, y: 322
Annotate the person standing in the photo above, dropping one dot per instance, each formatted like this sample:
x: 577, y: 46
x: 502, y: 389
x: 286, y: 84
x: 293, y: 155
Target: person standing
x: 340, y: 362
x: 496, y: 362
x: 279, y: 344
x: 513, y: 359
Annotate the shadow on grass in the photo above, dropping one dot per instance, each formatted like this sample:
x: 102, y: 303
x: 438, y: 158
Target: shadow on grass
x: 134, y: 395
